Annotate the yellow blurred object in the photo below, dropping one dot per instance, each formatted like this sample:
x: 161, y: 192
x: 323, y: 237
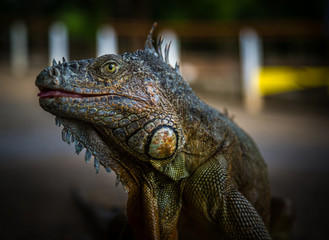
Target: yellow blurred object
x: 279, y: 79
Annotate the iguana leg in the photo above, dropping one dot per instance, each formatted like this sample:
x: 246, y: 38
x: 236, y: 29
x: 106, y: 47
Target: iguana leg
x: 154, y: 209
x: 210, y: 194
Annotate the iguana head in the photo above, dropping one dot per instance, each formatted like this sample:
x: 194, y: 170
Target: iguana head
x: 117, y: 107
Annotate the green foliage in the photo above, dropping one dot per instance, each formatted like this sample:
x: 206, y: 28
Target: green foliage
x: 77, y: 22
x: 82, y: 19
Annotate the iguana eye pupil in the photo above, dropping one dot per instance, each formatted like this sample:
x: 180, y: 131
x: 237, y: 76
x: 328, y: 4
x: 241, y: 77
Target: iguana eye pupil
x: 111, y: 67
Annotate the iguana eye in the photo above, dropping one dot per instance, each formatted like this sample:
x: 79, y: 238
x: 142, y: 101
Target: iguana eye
x: 110, y: 68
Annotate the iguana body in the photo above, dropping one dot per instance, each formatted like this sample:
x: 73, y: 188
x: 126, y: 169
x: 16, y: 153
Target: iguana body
x: 181, y: 161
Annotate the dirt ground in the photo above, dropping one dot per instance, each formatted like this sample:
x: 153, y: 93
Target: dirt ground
x: 38, y: 172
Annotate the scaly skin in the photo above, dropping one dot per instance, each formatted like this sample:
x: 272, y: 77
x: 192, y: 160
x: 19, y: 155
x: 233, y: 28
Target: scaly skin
x: 178, y: 158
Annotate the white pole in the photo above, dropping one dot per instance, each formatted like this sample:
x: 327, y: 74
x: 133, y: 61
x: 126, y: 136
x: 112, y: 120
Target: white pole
x: 251, y: 61
x: 174, y: 54
x: 18, y: 48
x: 107, y: 41
x: 58, y: 42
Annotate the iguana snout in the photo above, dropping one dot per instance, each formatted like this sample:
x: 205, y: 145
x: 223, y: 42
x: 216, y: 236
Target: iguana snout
x: 58, y: 76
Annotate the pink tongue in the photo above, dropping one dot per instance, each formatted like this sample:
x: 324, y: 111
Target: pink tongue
x: 55, y: 93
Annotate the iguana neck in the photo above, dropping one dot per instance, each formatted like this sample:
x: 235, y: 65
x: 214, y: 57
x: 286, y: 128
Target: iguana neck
x: 202, y: 125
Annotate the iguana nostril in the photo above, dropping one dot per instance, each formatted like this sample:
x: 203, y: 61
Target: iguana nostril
x: 53, y: 72
x: 50, y: 72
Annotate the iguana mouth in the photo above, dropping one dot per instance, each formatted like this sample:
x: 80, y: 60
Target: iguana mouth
x: 53, y: 93
x: 56, y: 93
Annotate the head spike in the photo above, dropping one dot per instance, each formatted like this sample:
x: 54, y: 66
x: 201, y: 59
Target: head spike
x: 64, y: 60
x: 159, y: 47
x: 167, y: 49
x: 54, y: 62
x: 149, y: 42
x: 177, y: 67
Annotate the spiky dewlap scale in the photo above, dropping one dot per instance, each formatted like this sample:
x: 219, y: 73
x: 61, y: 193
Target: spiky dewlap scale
x: 72, y: 138
x: 69, y: 137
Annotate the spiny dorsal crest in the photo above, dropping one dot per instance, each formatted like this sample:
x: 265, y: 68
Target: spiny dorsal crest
x: 158, y: 50
x: 149, y: 41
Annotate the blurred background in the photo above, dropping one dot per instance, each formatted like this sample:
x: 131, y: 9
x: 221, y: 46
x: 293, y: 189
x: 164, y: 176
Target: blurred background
x: 265, y: 61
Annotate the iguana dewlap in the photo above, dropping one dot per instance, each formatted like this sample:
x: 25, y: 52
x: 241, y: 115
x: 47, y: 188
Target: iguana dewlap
x: 179, y: 159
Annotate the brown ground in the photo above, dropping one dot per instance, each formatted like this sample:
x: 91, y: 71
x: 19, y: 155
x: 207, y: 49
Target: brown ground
x: 38, y: 171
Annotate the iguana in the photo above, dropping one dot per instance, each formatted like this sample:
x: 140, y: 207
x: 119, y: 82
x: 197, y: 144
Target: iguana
x: 181, y: 162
